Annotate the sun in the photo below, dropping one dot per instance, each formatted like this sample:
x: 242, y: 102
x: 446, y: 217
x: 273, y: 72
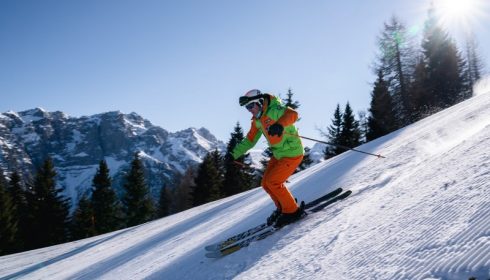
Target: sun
x: 456, y: 9
x: 458, y: 13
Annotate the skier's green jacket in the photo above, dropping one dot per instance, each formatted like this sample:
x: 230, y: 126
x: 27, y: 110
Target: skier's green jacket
x: 287, y: 145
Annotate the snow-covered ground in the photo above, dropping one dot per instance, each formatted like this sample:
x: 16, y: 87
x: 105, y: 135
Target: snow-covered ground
x: 421, y: 213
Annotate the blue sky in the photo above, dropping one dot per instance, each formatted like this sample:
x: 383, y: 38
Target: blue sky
x: 184, y: 63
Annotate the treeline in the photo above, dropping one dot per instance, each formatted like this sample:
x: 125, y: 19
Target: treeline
x: 412, y: 83
x: 36, y: 214
x: 345, y: 131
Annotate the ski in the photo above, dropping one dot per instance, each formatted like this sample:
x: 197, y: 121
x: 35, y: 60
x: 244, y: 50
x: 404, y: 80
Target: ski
x: 325, y: 197
x: 252, y: 231
x: 333, y: 200
x: 270, y: 230
x: 223, y: 244
x: 241, y: 244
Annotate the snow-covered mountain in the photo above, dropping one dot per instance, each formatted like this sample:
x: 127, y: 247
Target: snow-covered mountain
x: 317, y: 152
x: 76, y: 146
x: 423, y: 212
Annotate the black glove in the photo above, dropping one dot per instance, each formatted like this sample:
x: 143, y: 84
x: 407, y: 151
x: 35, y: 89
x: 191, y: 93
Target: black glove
x: 276, y: 129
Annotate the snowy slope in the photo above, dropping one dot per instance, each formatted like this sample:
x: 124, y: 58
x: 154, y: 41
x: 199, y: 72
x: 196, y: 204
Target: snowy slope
x: 421, y: 213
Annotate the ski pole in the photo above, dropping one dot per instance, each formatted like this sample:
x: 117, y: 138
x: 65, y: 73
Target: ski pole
x: 336, y: 145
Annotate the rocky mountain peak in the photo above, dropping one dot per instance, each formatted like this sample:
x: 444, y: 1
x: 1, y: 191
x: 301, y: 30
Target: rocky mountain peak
x: 77, y: 144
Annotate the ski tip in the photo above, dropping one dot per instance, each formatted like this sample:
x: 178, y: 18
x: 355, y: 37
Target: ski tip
x: 343, y: 195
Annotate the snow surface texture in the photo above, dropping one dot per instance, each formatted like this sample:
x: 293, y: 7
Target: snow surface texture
x: 421, y: 213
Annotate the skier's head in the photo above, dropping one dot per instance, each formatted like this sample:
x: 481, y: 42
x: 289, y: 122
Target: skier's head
x: 253, y: 100
x: 250, y: 97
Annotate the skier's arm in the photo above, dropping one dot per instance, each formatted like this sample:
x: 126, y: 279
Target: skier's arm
x: 289, y: 117
x: 253, y: 136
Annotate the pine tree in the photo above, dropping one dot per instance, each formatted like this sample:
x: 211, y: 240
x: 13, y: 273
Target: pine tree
x: 382, y: 119
x: 238, y: 175
x: 182, y: 194
x: 208, y: 181
x: 443, y: 64
x: 395, y: 61
x: 21, y: 214
x: 138, y: 206
x: 30, y: 224
x: 8, y: 225
x: 474, y: 66
x: 16, y: 190
x: 333, y: 134
x: 50, y: 209
x: 217, y: 161
x: 418, y: 107
x: 106, y: 208
x: 83, y: 222
x: 289, y: 100
x: 350, y: 134
x: 164, y: 202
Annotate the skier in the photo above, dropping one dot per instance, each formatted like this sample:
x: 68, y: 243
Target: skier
x: 276, y: 121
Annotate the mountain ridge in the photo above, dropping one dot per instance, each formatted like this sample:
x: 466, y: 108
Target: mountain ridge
x: 77, y: 144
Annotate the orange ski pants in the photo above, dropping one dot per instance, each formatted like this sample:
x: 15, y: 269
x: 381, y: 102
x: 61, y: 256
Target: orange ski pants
x: 276, y: 173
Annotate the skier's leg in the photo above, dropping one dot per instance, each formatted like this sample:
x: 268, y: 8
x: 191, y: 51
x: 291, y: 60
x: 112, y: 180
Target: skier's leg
x: 274, y: 180
x: 270, y: 167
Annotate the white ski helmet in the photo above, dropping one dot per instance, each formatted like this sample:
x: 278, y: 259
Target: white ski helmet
x: 252, y: 96
x: 253, y: 92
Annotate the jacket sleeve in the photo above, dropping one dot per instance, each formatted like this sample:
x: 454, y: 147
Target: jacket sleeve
x: 253, y: 136
x: 289, y: 117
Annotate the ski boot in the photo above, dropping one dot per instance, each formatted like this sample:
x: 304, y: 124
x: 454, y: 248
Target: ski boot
x: 288, y: 218
x: 273, y: 217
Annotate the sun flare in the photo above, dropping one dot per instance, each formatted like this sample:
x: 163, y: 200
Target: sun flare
x: 458, y: 13
x: 457, y: 8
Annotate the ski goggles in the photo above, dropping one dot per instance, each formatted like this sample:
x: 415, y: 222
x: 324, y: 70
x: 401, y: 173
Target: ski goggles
x: 245, y: 100
x: 250, y: 106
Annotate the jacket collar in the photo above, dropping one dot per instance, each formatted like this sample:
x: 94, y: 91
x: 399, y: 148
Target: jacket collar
x: 265, y: 106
